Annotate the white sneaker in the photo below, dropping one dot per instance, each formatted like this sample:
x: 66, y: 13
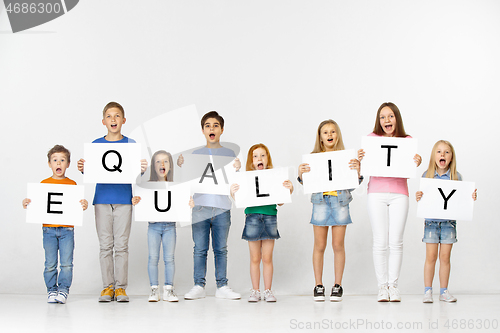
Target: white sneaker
x: 394, y: 294
x: 196, y: 292
x: 383, y: 294
x: 447, y: 297
x: 428, y: 296
x: 269, y: 296
x: 169, y: 294
x: 154, y: 296
x: 227, y: 293
x: 51, y: 297
x: 254, y: 296
x: 61, y: 297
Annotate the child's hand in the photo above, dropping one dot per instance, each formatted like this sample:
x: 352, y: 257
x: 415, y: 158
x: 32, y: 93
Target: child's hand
x: 361, y: 154
x: 418, y: 159
x: 354, y: 164
x: 234, y: 188
x: 288, y: 184
x: 135, y: 200
x: 26, y: 202
x: 419, y: 195
x: 237, y: 164
x: 180, y: 160
x: 304, y: 167
x: 474, y: 195
x: 191, y: 202
x: 144, y: 165
x: 85, y: 204
x: 80, y: 163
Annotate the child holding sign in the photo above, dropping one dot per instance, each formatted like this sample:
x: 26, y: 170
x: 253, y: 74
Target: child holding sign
x: 439, y: 235
x: 329, y: 209
x: 261, y: 228
x: 162, y: 169
x: 58, y: 238
x: 388, y: 209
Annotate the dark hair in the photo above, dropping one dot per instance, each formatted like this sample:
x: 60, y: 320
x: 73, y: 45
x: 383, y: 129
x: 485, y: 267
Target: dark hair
x: 212, y: 114
x: 111, y: 105
x: 399, y: 132
x: 59, y: 149
x: 170, y: 174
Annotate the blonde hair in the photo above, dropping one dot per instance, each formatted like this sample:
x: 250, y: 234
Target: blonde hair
x: 399, y: 131
x: 431, y: 170
x: 111, y: 105
x: 319, y: 147
x: 249, y: 166
x: 170, y: 175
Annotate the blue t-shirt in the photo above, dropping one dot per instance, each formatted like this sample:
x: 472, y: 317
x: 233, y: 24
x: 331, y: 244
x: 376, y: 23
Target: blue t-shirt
x: 113, y: 193
x: 213, y: 200
x: 445, y: 176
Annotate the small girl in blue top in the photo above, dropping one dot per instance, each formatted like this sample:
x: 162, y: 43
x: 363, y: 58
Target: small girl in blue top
x: 162, y: 169
x: 439, y: 235
x: 261, y: 228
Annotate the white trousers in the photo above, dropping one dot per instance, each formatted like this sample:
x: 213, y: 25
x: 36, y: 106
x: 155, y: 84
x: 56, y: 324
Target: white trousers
x: 388, y: 212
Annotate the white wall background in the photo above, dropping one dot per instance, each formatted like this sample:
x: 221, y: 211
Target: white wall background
x: 274, y: 70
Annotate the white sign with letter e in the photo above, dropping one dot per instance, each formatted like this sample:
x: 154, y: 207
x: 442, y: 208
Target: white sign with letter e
x: 261, y: 187
x: 446, y: 199
x: 330, y: 171
x: 112, y: 163
x: 55, y: 204
x: 389, y: 157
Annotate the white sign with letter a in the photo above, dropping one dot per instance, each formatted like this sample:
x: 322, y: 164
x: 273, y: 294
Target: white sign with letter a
x: 112, y: 163
x: 261, y: 187
x: 389, y: 157
x: 446, y: 199
x: 162, y: 202
x: 55, y: 204
x: 330, y: 171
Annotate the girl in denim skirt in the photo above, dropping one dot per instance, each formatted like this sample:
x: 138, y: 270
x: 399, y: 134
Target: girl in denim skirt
x: 261, y: 228
x: 439, y: 235
x: 330, y: 209
x: 161, y: 233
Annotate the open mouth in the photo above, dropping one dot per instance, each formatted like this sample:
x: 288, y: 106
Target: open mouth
x: 388, y: 127
x: 260, y: 166
x: 113, y: 126
x: 58, y: 170
x: 330, y: 140
x: 212, y: 136
x: 162, y: 170
x: 442, y: 162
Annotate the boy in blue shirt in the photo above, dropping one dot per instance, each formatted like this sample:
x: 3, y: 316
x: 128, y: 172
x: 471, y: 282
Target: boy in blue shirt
x: 113, y: 214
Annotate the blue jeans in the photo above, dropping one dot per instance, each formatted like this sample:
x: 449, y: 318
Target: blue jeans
x: 218, y: 221
x: 161, y: 233
x: 60, y: 239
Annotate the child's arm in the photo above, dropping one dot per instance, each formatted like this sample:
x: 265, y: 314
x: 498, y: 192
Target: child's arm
x: 418, y: 159
x: 144, y: 166
x: 26, y: 202
x: 191, y: 202
x: 180, y: 160
x: 474, y: 195
x: 135, y: 200
x: 304, y: 167
x: 288, y: 184
x: 85, y: 204
x: 419, y: 195
x: 354, y: 164
x: 234, y: 188
x: 80, y: 164
x: 237, y: 164
x: 361, y: 154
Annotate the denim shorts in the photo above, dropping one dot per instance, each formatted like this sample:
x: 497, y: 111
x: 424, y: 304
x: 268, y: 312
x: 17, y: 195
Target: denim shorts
x: 330, y: 212
x: 444, y: 232
x: 260, y: 227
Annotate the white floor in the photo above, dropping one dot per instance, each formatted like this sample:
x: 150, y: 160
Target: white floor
x: 82, y: 313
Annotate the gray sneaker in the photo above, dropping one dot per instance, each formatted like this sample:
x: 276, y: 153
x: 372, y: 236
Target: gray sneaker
x: 428, y: 296
x: 269, y: 296
x: 447, y: 297
x: 154, y: 295
x: 169, y: 294
x: 254, y: 296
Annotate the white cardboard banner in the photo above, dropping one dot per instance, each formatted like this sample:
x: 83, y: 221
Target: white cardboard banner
x: 55, y: 204
x: 162, y: 202
x: 330, y: 171
x: 112, y: 163
x: 446, y: 199
x: 261, y: 187
x: 389, y: 157
x: 208, y: 174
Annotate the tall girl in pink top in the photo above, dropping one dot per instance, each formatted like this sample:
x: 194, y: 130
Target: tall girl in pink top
x: 388, y: 209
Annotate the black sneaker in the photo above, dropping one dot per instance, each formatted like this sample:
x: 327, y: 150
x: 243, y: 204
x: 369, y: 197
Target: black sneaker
x: 337, y: 293
x: 319, y: 293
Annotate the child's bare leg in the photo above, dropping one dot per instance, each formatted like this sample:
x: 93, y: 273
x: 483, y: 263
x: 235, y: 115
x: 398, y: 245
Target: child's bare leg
x: 431, y: 254
x: 338, y: 235
x: 320, y: 238
x: 267, y: 262
x: 255, y: 257
x: 444, y: 264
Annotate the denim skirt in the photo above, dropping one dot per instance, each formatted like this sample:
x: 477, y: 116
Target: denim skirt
x: 260, y: 227
x: 330, y: 212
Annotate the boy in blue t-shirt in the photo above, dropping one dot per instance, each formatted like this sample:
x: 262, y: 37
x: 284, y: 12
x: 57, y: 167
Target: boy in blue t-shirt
x: 113, y: 215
